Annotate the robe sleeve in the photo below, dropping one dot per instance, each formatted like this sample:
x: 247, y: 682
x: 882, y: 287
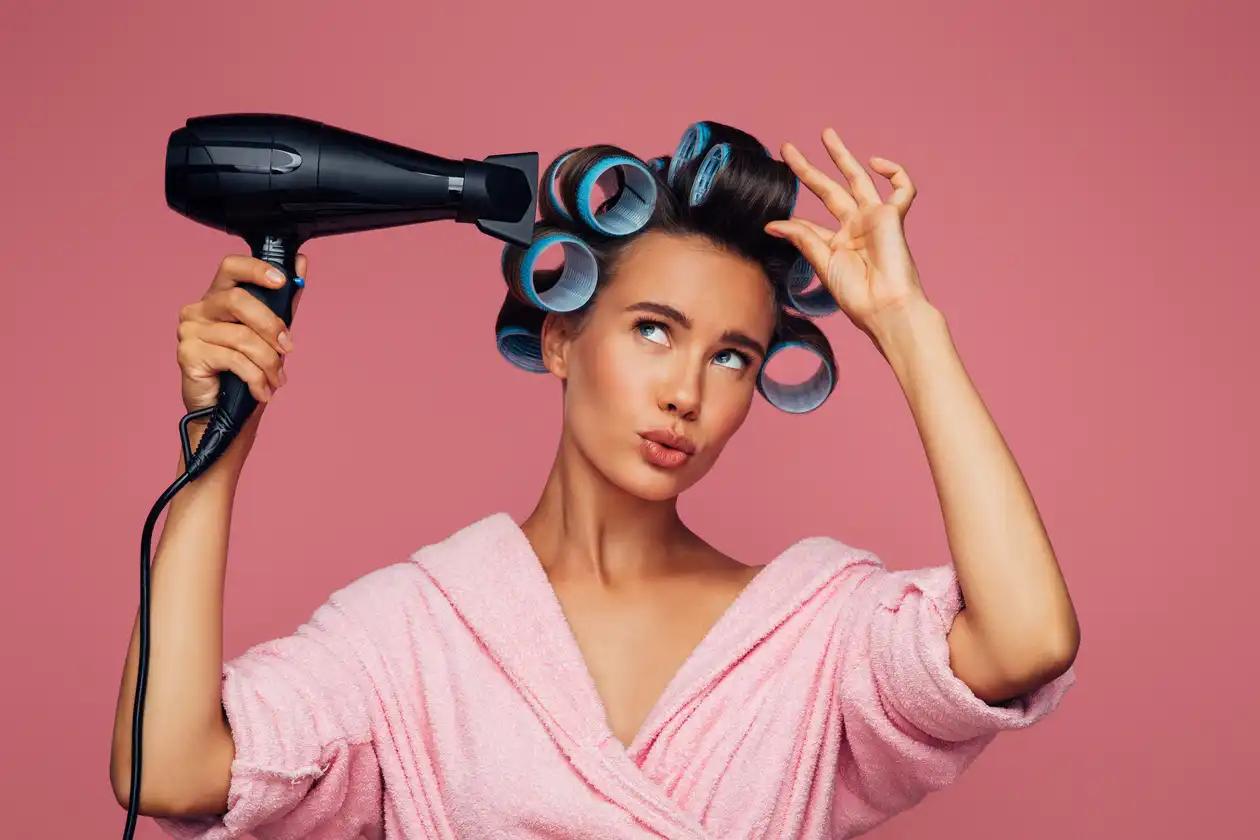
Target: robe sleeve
x: 300, y: 710
x: 911, y: 725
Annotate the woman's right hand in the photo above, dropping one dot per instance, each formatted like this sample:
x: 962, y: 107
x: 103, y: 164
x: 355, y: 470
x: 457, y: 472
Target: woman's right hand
x: 230, y: 329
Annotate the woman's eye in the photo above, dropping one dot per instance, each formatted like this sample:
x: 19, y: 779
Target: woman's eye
x: 653, y: 332
x: 729, y: 358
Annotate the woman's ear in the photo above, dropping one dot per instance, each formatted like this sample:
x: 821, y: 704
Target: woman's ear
x: 557, y: 336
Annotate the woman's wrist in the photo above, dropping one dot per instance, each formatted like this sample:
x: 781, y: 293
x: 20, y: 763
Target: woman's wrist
x: 230, y: 464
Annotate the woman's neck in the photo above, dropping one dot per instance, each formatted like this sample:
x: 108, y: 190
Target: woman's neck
x: 585, y: 526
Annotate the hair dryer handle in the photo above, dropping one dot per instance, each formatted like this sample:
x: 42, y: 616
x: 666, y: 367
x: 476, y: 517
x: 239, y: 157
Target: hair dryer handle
x: 235, y: 403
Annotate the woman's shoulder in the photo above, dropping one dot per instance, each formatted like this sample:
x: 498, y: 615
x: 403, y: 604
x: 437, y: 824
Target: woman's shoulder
x: 403, y: 581
x: 828, y: 553
x: 857, y: 569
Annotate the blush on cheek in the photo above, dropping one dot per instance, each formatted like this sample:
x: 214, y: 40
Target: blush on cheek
x: 597, y: 404
x: 621, y: 376
x: 729, y: 415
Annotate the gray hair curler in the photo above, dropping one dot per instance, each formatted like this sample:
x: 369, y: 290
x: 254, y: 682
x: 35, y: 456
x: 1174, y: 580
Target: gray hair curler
x: 802, y: 397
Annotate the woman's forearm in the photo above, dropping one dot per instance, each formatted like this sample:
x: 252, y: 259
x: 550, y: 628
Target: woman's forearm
x: 1018, y: 618
x: 187, y: 748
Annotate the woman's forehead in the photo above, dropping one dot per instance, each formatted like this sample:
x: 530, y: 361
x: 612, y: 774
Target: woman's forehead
x: 696, y: 278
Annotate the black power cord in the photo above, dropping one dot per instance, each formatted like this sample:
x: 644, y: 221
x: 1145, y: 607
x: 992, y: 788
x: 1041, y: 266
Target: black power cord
x: 191, y: 470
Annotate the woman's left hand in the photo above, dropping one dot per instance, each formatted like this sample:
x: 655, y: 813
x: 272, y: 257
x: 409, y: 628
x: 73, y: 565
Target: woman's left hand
x: 866, y: 264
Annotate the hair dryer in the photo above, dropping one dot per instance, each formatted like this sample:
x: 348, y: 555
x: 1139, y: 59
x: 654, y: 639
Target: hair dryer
x: 277, y: 181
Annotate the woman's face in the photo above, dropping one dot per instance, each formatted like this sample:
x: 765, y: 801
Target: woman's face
x: 663, y: 370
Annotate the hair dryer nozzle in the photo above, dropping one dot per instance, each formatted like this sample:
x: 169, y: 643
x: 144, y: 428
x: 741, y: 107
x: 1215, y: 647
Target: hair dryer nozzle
x: 501, y: 196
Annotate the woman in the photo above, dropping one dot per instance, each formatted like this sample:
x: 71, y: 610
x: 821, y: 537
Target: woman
x: 599, y: 670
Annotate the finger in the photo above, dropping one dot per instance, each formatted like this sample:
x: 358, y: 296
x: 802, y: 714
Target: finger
x: 235, y: 269
x: 834, y: 197
x: 236, y: 304
x: 301, y: 265
x: 904, y: 190
x: 216, y: 357
x: 243, y: 340
x: 859, y: 179
x: 812, y: 246
x: 825, y: 234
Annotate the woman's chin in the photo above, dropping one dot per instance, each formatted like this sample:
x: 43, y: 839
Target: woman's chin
x: 654, y: 484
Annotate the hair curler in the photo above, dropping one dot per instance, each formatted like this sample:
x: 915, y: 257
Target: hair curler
x: 802, y: 397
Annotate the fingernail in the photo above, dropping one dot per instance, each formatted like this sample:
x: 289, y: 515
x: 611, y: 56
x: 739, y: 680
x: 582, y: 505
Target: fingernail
x: 274, y: 276
x: 284, y: 378
x: 286, y: 343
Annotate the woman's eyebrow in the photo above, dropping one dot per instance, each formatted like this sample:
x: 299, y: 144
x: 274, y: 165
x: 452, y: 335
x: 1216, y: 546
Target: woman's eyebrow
x: 669, y: 312
x: 744, y: 340
x: 664, y: 310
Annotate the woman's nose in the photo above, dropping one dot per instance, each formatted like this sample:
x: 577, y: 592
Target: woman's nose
x: 680, y: 393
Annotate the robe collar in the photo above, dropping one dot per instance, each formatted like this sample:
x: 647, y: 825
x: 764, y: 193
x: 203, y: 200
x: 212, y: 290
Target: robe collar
x: 495, y: 582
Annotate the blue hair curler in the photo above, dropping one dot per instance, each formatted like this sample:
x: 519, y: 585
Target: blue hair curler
x: 802, y: 397
x: 520, y: 346
x: 634, y: 205
x: 815, y: 304
x: 714, y: 161
x: 694, y: 139
x: 517, y: 334
x: 577, y: 280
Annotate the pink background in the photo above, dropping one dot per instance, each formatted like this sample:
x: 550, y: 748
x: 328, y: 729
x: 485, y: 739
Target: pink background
x: 1084, y: 205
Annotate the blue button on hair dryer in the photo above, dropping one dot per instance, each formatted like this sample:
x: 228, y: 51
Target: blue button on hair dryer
x: 278, y: 181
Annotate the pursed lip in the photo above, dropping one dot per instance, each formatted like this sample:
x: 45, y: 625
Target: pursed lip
x: 673, y: 440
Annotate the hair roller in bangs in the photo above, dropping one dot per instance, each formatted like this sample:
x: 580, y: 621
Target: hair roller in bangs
x: 802, y: 397
x: 816, y: 303
x: 518, y: 334
x: 562, y: 289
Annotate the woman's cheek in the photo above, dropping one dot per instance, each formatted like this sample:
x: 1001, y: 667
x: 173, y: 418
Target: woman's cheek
x: 731, y: 410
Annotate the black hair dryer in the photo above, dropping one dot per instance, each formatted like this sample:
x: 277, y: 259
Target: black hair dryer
x: 277, y: 181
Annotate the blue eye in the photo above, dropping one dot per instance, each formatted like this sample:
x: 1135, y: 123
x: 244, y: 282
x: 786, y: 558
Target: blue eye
x: 725, y: 357
x: 648, y: 328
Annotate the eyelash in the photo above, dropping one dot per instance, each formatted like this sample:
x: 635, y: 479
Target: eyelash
x: 741, y: 355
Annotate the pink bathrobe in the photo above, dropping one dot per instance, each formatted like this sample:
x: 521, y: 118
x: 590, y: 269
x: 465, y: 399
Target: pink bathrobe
x: 445, y: 697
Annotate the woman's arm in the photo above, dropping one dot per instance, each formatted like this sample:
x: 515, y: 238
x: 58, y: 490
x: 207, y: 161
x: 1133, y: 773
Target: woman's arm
x: 188, y: 747
x: 1018, y: 629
